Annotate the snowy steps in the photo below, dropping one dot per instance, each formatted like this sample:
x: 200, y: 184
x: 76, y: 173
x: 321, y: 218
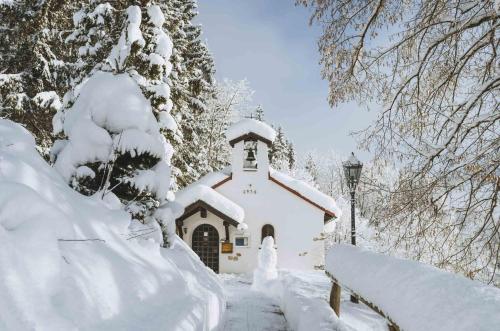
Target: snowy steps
x: 249, y: 310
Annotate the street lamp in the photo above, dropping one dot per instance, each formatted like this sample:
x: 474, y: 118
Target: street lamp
x: 352, y: 172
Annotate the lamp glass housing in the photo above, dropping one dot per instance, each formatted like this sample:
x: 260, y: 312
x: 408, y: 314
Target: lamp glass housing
x: 352, y: 172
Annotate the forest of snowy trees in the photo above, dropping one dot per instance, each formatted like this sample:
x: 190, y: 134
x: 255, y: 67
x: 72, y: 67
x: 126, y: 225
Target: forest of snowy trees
x: 58, y: 57
x: 432, y: 66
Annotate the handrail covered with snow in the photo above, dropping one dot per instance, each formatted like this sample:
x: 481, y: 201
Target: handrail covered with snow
x: 412, y: 295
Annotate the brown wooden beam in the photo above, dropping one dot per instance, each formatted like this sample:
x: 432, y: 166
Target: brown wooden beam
x: 226, y: 227
x: 335, y: 298
x: 179, y: 225
x: 198, y: 205
x: 250, y: 136
x: 391, y: 324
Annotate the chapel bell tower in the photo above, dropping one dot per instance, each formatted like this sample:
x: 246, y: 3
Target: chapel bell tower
x: 250, y: 141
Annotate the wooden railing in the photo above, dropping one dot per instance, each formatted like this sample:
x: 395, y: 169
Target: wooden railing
x: 335, y: 302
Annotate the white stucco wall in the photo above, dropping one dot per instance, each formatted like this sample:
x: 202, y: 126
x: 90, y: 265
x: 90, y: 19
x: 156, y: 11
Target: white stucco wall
x: 296, y: 222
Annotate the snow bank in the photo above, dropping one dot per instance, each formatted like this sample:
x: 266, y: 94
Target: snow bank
x: 265, y: 275
x: 246, y: 126
x: 69, y: 262
x: 307, y: 191
x: 305, y: 309
x: 195, y: 192
x: 416, y: 296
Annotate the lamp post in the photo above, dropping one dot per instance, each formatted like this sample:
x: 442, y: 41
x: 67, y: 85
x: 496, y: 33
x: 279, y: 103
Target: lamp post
x: 352, y: 172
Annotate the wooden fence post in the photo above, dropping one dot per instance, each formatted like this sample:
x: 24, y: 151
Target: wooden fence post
x: 335, y: 298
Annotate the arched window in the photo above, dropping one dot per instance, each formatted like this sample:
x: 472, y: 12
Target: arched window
x: 267, y: 230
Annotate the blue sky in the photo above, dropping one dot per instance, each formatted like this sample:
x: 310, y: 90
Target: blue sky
x: 270, y: 43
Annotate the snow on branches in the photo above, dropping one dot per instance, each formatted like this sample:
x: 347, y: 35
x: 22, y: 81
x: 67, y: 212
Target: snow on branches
x: 433, y: 66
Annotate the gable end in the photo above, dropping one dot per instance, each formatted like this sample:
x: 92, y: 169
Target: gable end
x: 250, y: 136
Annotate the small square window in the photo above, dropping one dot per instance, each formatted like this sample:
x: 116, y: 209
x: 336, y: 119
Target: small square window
x: 241, y: 241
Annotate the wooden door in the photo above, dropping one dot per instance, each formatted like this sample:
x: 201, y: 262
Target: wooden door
x: 206, y: 244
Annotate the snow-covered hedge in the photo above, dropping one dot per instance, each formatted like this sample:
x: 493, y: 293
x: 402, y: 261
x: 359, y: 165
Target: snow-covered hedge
x: 69, y: 262
x: 416, y: 296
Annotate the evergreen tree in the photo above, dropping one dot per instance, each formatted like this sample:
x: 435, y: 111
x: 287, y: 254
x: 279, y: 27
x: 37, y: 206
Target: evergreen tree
x: 259, y: 113
x: 114, y: 147
x: 33, y: 74
x: 292, y: 158
x: 94, y: 34
x: 278, y: 153
x: 311, y: 167
x: 192, y: 89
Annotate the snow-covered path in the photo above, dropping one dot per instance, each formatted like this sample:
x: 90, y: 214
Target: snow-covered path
x: 249, y: 310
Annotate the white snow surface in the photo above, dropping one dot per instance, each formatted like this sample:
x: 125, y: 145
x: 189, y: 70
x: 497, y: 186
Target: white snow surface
x: 156, y: 15
x: 132, y: 34
x: 249, y: 310
x: 304, y: 300
x: 304, y: 310
x: 69, y: 262
x: 195, y: 192
x: 418, y: 297
x: 306, y: 190
x: 213, y: 178
x: 109, y: 103
x: 248, y: 125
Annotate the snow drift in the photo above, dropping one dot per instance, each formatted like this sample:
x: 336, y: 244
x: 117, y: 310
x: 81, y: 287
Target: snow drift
x: 415, y: 295
x: 68, y: 262
x: 304, y: 309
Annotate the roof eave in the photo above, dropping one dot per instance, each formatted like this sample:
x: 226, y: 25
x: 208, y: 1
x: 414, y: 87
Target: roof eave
x: 250, y: 136
x: 291, y: 190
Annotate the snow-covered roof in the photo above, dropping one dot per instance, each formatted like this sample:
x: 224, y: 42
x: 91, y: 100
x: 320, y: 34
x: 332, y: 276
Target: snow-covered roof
x: 414, y: 295
x: 250, y: 127
x: 197, y: 192
x: 215, y: 178
x: 298, y: 187
x: 307, y: 192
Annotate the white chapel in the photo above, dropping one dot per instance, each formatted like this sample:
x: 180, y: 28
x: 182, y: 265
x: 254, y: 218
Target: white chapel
x: 228, y: 213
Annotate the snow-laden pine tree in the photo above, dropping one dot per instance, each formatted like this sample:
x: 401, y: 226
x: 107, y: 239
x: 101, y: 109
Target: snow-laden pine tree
x: 113, y: 128
x: 33, y: 72
x: 95, y: 31
x: 292, y: 155
x: 279, y: 151
x: 192, y: 89
x: 259, y: 113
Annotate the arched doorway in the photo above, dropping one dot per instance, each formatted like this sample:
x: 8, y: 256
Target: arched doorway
x: 206, y: 245
x: 267, y: 230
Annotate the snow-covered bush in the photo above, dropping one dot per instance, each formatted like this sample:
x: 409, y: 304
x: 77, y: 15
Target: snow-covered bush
x: 114, y: 144
x: 70, y: 262
x: 115, y: 119
x: 266, y: 274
